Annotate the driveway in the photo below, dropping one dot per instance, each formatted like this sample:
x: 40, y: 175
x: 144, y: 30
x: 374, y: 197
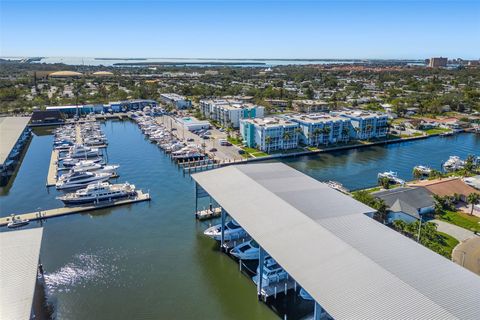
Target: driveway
x: 458, y: 233
x: 467, y: 254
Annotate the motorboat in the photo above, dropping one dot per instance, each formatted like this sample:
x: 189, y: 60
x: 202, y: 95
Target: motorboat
x: 70, y: 162
x: 91, y: 166
x: 232, y: 231
x: 100, y: 191
x: 423, y: 170
x: 272, y: 272
x: 81, y: 151
x: 391, y: 176
x: 248, y: 250
x: 453, y: 163
x: 77, y: 180
x: 304, y: 295
x: 17, y: 223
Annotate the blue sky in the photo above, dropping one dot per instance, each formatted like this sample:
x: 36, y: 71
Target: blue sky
x: 241, y: 29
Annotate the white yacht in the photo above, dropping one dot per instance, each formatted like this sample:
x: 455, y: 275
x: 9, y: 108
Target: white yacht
x: 453, y: 163
x: 248, y: 250
x: 97, y: 192
x: 424, y: 170
x: 81, y: 151
x: 17, y: 223
x: 70, y: 162
x: 232, y: 231
x: 91, y: 166
x: 77, y: 180
x: 272, y: 272
x: 392, y: 177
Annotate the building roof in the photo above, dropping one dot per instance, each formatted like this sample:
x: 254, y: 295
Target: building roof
x: 65, y: 74
x: 103, y: 73
x: 10, y: 130
x: 352, y: 265
x: 19, y: 252
x: 41, y: 115
x: 407, y: 199
x: 448, y: 187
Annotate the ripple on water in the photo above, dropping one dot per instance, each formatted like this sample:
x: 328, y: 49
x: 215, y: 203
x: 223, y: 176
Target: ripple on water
x: 84, y: 269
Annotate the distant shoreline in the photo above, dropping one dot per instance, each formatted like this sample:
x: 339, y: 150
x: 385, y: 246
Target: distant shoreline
x: 181, y: 63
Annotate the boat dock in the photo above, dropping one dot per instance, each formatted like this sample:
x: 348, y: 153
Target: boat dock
x: 51, y: 213
x: 52, y: 169
x: 208, y: 213
x: 280, y: 287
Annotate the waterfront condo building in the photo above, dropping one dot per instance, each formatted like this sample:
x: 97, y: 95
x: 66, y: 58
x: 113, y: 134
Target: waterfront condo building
x: 176, y: 100
x: 309, y: 106
x: 366, y: 125
x: 322, y: 128
x: 228, y: 113
x: 437, y: 62
x: 270, y: 134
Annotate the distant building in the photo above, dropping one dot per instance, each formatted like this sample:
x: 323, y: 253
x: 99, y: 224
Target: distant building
x: 14, y: 134
x: 277, y: 103
x: 115, y: 106
x: 46, y: 118
x: 317, y: 129
x: 191, y: 123
x: 229, y: 112
x: 407, y: 203
x: 437, y: 62
x: 309, y: 106
x: 270, y: 134
x: 366, y: 125
x: 176, y: 100
x: 65, y: 74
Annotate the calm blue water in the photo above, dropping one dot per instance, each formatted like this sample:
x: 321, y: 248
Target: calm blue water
x: 358, y: 168
x: 150, y: 260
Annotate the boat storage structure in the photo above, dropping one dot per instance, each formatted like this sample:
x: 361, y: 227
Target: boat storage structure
x: 353, y: 266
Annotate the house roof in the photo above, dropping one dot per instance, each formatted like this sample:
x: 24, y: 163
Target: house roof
x: 450, y: 187
x: 412, y: 199
x: 352, y: 265
x: 401, y: 206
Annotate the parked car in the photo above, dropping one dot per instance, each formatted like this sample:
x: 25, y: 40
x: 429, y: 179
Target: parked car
x: 241, y: 151
x: 190, y: 139
x: 213, y: 150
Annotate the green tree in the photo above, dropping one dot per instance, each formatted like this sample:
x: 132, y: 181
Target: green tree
x: 268, y: 141
x: 473, y: 199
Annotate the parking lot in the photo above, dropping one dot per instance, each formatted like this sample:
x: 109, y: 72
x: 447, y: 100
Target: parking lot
x: 223, y: 153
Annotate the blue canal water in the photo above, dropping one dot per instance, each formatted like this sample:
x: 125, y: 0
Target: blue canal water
x: 150, y: 260
x: 358, y: 168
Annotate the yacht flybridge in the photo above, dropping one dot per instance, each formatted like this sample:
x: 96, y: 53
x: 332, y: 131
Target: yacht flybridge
x: 77, y: 180
x: 100, y: 191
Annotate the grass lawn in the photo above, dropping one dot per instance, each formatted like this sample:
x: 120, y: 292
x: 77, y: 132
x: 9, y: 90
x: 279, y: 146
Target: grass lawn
x: 234, y: 141
x: 462, y: 220
x: 259, y: 154
x: 447, y: 243
x: 437, y: 130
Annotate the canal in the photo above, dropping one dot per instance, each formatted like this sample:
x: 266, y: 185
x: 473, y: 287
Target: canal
x: 150, y: 260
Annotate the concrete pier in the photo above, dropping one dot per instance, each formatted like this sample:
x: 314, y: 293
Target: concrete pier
x: 52, y: 169
x: 51, y: 213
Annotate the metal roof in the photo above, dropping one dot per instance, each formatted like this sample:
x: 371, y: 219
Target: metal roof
x: 19, y: 253
x: 10, y: 130
x: 353, y: 266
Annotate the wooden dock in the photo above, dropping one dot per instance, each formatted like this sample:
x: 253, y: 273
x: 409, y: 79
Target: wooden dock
x: 51, y: 213
x: 78, y: 135
x: 52, y: 169
x: 208, y: 213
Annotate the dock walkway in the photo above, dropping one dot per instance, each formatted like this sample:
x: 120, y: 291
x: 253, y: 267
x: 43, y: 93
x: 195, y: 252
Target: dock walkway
x: 52, y: 169
x: 51, y: 213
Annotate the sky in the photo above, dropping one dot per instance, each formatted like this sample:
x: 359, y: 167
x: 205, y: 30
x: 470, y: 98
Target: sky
x: 241, y: 29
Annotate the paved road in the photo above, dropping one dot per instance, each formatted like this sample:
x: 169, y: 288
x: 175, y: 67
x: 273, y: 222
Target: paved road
x: 467, y: 254
x: 458, y: 233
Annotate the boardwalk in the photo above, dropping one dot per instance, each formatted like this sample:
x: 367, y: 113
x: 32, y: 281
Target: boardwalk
x: 51, y: 213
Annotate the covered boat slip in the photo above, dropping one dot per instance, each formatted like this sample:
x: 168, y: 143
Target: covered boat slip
x: 19, y: 254
x: 353, y: 266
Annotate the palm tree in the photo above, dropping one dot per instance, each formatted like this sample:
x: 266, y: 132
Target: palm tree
x: 326, y: 131
x: 345, y: 134
x: 369, y: 129
x: 473, y: 199
x: 384, y: 182
x: 286, y: 136
x: 382, y: 210
x: 417, y: 174
x: 268, y: 141
x: 316, y: 133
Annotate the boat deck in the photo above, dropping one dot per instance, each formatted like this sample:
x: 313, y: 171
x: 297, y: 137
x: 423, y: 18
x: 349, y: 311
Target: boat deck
x: 51, y: 213
x: 229, y: 244
x: 52, y: 169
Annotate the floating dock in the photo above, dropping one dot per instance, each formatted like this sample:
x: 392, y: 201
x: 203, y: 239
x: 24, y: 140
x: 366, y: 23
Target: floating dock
x: 52, y: 169
x: 51, y: 213
x: 281, y: 287
x: 208, y: 213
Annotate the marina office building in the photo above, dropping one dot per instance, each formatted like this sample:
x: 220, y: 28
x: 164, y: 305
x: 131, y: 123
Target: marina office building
x: 176, y: 100
x: 352, y: 266
x: 229, y: 112
x: 14, y: 134
x: 270, y: 134
x: 116, y: 106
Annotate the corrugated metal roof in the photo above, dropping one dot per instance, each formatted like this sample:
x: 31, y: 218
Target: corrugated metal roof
x: 19, y: 254
x: 10, y: 130
x: 353, y: 266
